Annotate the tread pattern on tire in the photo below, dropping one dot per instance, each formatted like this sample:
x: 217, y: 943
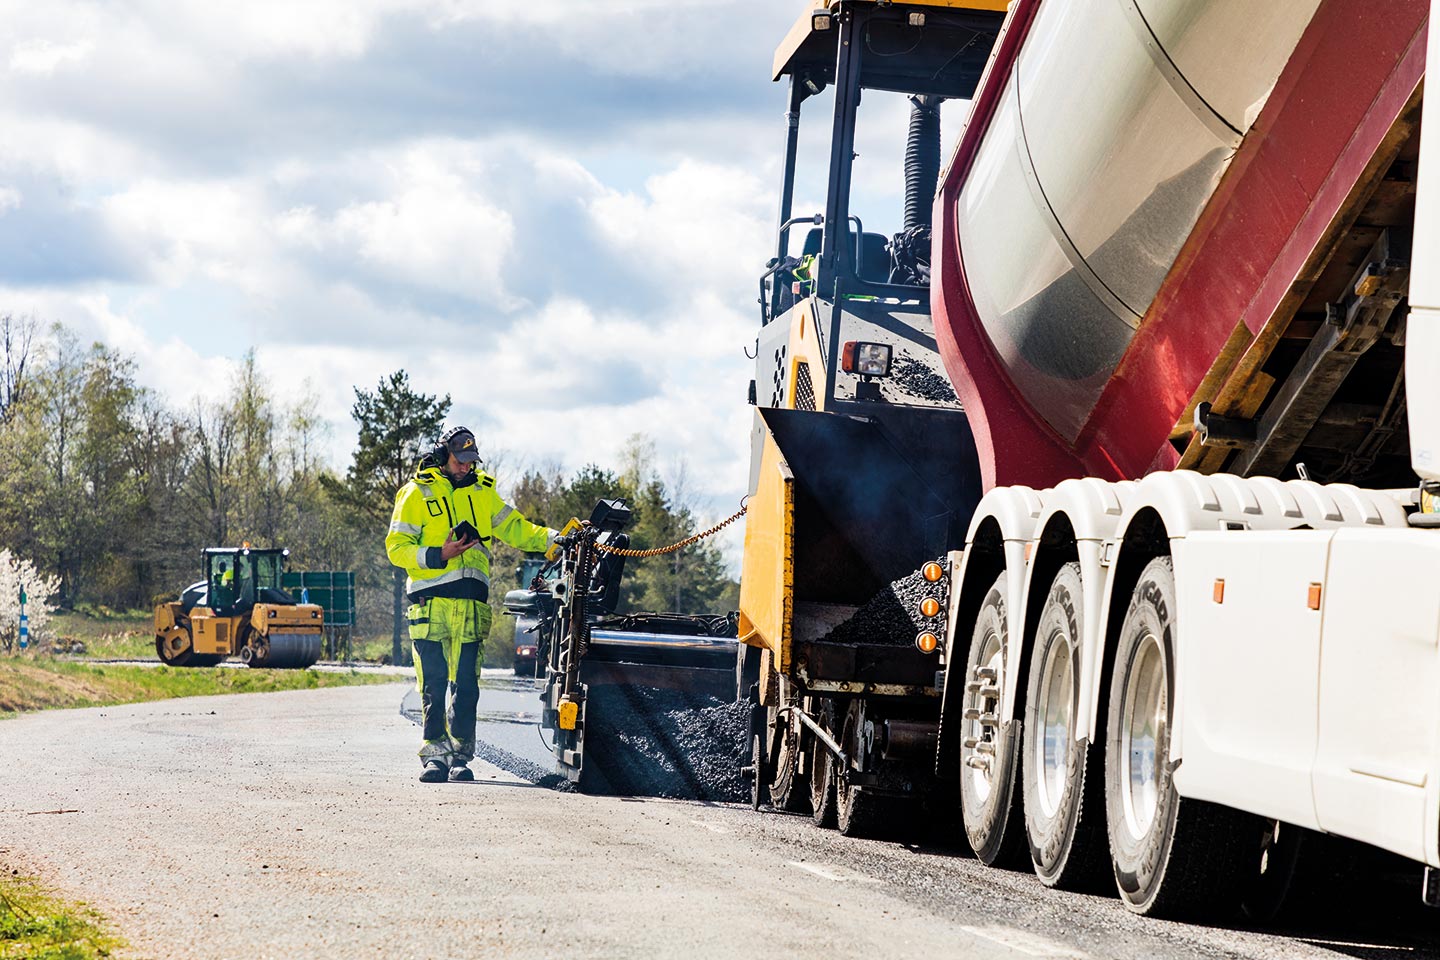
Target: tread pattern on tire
x: 997, y: 834
x: 1068, y: 851
x: 822, y: 773
x: 788, y: 789
x: 1192, y: 863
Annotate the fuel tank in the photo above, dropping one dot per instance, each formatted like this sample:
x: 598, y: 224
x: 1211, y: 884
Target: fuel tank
x: 1132, y: 174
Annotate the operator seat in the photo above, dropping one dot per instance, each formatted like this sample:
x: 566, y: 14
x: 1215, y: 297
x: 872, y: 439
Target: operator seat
x: 874, y: 253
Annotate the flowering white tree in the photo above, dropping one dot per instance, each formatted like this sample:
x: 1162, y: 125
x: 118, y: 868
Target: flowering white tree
x: 15, y: 574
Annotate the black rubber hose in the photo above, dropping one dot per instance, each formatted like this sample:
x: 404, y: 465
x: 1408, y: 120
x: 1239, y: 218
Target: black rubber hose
x: 922, y: 161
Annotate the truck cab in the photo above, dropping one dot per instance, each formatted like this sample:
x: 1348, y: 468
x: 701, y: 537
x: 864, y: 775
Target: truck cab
x: 523, y: 604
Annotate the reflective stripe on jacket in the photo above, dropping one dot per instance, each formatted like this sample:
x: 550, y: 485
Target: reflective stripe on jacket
x: 428, y: 508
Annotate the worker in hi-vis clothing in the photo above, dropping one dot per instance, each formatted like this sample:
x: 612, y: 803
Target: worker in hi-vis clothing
x: 446, y: 520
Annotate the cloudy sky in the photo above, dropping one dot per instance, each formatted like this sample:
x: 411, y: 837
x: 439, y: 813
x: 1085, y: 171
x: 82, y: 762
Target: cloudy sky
x: 554, y: 210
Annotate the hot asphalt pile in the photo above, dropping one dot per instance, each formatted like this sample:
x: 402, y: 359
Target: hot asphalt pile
x: 522, y: 768
x: 892, y: 616
x: 920, y: 381
x: 646, y: 742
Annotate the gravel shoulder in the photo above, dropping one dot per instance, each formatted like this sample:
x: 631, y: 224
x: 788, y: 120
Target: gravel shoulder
x: 291, y: 825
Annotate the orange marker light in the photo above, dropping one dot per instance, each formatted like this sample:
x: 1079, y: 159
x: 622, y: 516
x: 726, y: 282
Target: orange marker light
x: 929, y: 607
x: 1219, y: 593
x: 1314, y: 598
x: 927, y: 642
x: 932, y: 571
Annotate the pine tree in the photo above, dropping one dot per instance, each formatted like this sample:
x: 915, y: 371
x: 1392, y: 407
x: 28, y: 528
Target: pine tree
x: 396, y: 424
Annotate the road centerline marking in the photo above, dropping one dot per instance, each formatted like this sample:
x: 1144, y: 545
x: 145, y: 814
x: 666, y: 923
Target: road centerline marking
x: 835, y: 874
x: 1030, y: 944
x: 712, y: 827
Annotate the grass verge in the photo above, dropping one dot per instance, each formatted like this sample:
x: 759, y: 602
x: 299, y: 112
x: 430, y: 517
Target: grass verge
x: 121, y: 636
x: 130, y: 635
x: 37, y: 925
x: 499, y: 646
x: 45, y: 684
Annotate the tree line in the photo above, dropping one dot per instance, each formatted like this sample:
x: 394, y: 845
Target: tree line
x: 113, y: 491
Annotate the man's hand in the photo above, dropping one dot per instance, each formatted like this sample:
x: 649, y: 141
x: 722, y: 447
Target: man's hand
x: 454, y: 547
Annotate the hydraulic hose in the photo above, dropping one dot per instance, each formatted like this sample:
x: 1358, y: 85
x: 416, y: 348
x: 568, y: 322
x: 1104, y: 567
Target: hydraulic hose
x: 922, y: 161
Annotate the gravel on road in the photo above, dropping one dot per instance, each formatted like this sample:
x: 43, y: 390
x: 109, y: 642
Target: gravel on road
x: 291, y: 825
x: 649, y: 742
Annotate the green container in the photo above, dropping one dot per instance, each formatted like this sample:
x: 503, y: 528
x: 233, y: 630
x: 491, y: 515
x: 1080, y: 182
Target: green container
x: 333, y: 590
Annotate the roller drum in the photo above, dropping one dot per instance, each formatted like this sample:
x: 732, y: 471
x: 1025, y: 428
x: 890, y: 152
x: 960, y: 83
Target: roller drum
x: 287, y: 651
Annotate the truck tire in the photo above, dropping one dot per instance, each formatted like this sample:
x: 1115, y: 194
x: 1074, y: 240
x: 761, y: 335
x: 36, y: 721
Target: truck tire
x: 858, y: 813
x: 822, y: 769
x: 759, y: 774
x: 1172, y: 857
x: 990, y: 801
x: 1064, y: 799
x: 788, y: 789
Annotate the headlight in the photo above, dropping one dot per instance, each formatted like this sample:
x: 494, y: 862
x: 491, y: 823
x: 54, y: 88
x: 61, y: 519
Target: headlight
x: 866, y: 359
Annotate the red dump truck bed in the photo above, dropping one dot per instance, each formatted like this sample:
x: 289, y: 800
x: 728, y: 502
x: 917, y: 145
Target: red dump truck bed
x: 1153, y: 212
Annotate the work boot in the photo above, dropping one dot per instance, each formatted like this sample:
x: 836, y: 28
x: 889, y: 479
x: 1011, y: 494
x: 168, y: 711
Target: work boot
x: 434, y: 772
x: 462, y: 774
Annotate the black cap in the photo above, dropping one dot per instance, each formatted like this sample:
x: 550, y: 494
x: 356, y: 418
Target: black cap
x: 461, y: 444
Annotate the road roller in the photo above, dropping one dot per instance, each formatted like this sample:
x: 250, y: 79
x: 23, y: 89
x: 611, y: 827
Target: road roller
x: 239, y: 609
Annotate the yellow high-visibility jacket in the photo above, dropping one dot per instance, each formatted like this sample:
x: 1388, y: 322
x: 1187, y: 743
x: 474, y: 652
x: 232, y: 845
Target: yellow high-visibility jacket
x: 428, y: 508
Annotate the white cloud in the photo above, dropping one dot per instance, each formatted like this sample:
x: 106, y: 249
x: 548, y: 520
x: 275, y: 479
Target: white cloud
x: 183, y: 229
x: 44, y: 57
x: 276, y: 28
x: 437, y: 230
x: 702, y: 223
x: 425, y: 224
x: 353, y: 187
x: 623, y: 36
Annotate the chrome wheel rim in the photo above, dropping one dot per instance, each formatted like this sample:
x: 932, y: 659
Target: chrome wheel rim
x: 1142, y: 732
x: 992, y: 657
x: 1056, y: 715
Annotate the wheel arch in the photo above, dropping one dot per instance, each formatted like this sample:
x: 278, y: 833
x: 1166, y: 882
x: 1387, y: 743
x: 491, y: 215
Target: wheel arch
x: 1080, y: 515
x: 1141, y: 537
x: 1055, y: 545
x: 1003, y: 523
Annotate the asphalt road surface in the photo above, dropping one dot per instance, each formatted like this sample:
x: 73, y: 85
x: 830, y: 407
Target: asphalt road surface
x: 292, y: 825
